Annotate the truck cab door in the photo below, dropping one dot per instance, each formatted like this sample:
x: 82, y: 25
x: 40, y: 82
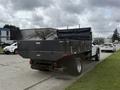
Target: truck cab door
x: 94, y: 49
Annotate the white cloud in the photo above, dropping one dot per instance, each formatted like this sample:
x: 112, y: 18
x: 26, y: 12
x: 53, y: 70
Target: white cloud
x: 101, y: 15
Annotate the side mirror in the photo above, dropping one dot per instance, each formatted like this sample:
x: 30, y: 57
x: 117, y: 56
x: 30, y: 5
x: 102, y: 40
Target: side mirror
x: 93, y: 43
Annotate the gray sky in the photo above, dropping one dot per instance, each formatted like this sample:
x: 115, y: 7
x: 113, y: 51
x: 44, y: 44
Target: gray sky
x: 102, y: 15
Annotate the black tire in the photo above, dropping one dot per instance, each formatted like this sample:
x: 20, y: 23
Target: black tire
x: 7, y: 52
x: 74, y: 67
x: 97, y: 56
x: 15, y: 51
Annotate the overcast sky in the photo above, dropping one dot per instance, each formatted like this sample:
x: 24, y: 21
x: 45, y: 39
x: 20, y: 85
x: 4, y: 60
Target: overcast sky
x: 102, y: 15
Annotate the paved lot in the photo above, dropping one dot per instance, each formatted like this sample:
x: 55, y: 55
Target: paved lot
x: 16, y: 74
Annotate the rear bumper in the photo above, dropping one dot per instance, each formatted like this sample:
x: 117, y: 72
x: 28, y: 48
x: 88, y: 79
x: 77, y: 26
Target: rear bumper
x: 41, y: 65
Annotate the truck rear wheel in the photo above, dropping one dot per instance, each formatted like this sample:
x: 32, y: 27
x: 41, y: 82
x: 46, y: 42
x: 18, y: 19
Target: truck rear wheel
x: 74, y: 67
x: 7, y: 52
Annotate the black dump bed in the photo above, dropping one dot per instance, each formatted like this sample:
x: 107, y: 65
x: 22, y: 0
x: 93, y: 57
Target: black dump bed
x: 68, y: 41
x: 44, y: 49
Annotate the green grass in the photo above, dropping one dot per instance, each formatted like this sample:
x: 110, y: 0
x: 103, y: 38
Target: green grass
x: 1, y: 50
x: 105, y: 76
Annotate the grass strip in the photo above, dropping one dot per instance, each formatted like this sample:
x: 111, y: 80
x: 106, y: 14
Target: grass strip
x: 105, y: 76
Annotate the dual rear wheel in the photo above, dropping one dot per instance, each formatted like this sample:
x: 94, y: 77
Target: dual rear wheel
x: 74, y: 67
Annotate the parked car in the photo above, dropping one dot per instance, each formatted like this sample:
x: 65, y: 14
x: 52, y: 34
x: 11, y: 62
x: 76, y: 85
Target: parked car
x: 11, y: 49
x: 4, y: 44
x: 108, y: 47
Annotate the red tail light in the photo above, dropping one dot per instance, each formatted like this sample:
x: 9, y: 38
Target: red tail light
x: 66, y: 55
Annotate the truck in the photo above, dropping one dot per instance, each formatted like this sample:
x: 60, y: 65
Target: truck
x: 66, y: 51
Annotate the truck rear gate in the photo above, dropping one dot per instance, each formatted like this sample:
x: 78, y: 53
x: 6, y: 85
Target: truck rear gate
x: 43, y: 50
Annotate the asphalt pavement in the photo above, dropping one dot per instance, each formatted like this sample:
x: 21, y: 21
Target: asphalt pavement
x: 16, y: 74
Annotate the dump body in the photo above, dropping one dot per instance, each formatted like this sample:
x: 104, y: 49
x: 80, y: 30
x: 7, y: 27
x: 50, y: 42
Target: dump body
x: 52, y: 50
x: 68, y: 42
x: 44, y: 50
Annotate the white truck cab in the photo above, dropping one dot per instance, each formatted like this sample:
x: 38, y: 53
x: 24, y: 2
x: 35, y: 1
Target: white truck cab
x: 96, y: 52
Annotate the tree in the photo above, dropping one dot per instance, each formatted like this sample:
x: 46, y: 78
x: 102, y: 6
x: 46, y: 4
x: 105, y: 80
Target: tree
x: 115, y: 36
x: 98, y: 40
x: 15, y: 33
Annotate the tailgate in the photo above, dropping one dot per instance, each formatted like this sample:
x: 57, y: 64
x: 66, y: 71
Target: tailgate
x: 45, y: 49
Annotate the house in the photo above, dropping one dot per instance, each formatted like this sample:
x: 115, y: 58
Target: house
x: 4, y: 35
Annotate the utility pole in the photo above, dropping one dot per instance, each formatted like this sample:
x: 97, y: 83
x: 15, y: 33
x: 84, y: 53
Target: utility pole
x: 67, y: 27
x: 79, y: 25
